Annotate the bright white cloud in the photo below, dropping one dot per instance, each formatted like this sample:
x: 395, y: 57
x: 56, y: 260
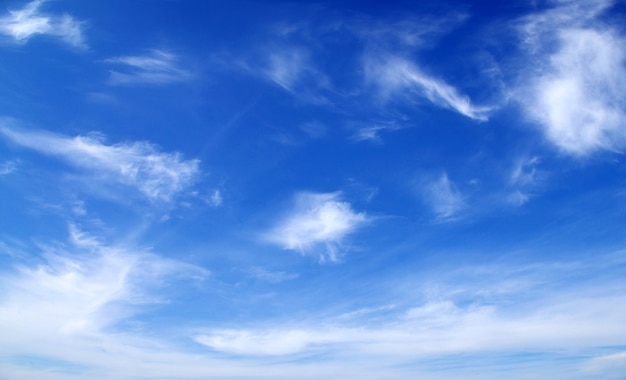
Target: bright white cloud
x: 396, y: 75
x: 442, y: 196
x: 29, y: 21
x: 156, y: 67
x: 317, y: 220
x: 577, y: 94
x: 158, y: 176
x: 579, y: 103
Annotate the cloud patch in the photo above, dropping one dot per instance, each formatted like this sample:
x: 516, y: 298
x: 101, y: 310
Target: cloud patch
x: 8, y: 167
x: 77, y: 292
x: 29, y: 21
x: 577, y: 94
x: 442, y: 197
x: 157, y: 67
x: 318, y: 222
x: 157, y: 175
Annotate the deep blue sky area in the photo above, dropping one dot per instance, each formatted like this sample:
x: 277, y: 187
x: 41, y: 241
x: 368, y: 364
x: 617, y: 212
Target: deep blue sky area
x: 304, y: 190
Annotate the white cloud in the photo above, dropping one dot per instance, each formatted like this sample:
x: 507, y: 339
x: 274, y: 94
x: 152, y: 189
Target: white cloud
x: 84, y: 293
x: 29, y: 21
x: 575, y: 94
x: 158, y: 176
x: 442, y: 196
x: 317, y: 220
x: 82, y: 288
x: 156, y: 67
x: 477, y: 310
x: 440, y: 328
x: 395, y: 75
x: 78, y: 293
x: 270, y: 342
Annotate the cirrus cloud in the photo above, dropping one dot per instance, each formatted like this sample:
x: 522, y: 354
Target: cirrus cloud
x: 157, y: 175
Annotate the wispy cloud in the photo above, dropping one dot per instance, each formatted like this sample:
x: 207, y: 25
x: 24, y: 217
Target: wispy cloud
x: 292, y: 68
x: 467, y: 317
x: 158, y: 176
x: 524, y: 177
x: 395, y: 76
x: 372, y: 131
x: 606, y: 366
x: 27, y: 22
x: 412, y: 33
x: 272, y: 276
x: 317, y: 223
x: 581, y: 76
x: 442, y: 196
x: 8, y: 167
x: 286, y: 67
x: 156, y: 67
x: 268, y: 342
x: 77, y: 292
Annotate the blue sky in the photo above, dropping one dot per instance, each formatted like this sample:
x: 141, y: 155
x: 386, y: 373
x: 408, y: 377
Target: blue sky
x: 305, y: 190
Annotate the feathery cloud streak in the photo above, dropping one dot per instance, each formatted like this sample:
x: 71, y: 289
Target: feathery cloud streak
x: 317, y: 220
x: 396, y: 75
x: 158, y: 176
x: 156, y: 67
x: 29, y: 21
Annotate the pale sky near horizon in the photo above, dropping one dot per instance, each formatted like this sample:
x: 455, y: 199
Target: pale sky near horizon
x: 301, y: 190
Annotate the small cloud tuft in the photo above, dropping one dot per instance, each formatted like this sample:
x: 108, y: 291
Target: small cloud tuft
x: 317, y: 222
